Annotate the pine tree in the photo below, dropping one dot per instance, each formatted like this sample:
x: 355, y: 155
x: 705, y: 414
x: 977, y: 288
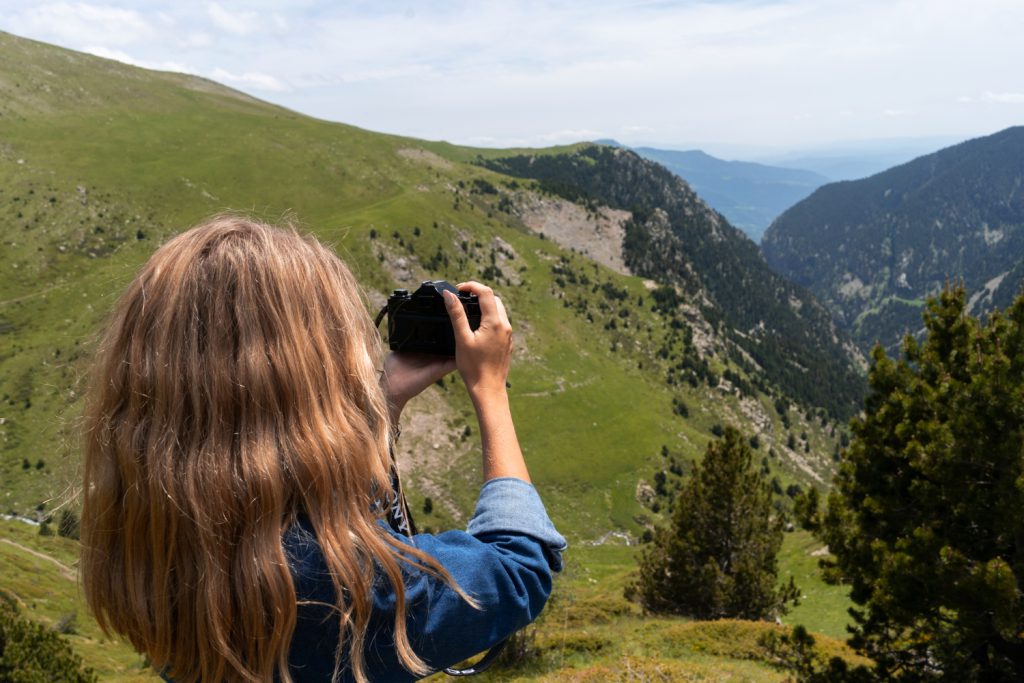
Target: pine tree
x: 69, y: 525
x: 718, y: 559
x: 927, y: 516
x: 807, y: 509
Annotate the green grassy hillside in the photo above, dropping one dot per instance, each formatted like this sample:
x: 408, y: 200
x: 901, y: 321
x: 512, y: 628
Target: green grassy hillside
x: 100, y: 162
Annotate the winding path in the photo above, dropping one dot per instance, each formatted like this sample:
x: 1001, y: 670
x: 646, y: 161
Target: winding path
x: 65, y: 571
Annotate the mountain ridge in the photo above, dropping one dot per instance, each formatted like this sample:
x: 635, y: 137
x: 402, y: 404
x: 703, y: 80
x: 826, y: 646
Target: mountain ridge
x: 673, y: 234
x: 873, y: 249
x: 749, y: 194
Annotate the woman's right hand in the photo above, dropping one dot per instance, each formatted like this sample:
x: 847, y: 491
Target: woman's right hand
x: 482, y: 356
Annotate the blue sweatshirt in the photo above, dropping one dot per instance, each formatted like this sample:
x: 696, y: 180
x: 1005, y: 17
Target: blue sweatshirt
x: 504, y: 559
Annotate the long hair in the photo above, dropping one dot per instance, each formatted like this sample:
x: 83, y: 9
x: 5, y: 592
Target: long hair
x: 236, y: 388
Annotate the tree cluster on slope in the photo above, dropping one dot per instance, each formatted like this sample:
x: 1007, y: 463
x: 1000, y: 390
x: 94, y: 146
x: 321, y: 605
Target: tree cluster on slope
x: 872, y: 249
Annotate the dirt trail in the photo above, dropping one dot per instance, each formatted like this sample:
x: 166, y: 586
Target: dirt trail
x: 38, y: 292
x: 65, y: 571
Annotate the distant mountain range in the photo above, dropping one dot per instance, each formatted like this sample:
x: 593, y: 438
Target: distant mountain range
x: 750, y: 195
x: 673, y: 237
x: 873, y: 249
x: 837, y: 166
x: 859, y: 159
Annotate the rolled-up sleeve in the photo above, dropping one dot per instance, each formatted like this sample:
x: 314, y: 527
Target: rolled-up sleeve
x: 504, y: 561
x: 513, y: 506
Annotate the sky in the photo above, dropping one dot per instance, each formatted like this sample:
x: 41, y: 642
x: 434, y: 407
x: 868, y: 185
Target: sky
x: 760, y: 76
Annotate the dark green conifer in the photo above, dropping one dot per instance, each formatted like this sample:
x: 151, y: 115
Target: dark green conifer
x: 718, y: 559
x: 69, y: 525
x: 927, y: 517
x: 807, y: 509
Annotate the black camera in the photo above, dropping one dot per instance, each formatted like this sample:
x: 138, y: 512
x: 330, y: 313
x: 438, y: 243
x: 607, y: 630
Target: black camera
x: 419, y: 321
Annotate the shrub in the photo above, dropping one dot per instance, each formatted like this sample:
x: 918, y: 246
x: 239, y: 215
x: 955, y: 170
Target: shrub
x: 31, y: 652
x: 68, y: 525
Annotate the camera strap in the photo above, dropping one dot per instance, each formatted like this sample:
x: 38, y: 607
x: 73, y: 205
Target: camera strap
x: 401, y: 522
x: 380, y: 316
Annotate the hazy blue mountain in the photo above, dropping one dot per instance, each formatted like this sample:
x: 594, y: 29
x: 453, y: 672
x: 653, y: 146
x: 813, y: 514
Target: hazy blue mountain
x: 843, y: 167
x: 855, y: 160
x: 750, y: 195
x: 873, y: 249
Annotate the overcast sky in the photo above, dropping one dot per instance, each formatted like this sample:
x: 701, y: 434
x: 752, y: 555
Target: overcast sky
x: 739, y: 74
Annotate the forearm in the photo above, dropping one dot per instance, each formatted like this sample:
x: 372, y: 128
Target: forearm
x: 502, y: 456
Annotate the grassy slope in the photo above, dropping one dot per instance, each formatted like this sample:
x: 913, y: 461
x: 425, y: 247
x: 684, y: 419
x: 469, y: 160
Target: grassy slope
x: 51, y: 593
x: 100, y: 161
x: 141, y: 155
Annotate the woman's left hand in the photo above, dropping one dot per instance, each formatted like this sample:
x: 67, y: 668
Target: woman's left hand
x: 407, y: 374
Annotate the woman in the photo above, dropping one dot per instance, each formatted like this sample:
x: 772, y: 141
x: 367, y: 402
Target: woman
x: 236, y: 453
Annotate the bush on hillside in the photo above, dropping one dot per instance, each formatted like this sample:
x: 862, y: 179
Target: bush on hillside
x: 32, y: 653
x: 797, y: 653
x: 807, y: 509
x: 719, y: 557
x: 69, y: 525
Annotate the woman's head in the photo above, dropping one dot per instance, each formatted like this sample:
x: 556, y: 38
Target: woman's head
x: 235, y: 388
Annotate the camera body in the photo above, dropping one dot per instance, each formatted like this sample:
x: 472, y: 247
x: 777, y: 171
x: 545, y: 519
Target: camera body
x: 419, y: 321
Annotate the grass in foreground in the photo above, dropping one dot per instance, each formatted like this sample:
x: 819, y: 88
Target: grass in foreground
x: 589, y: 632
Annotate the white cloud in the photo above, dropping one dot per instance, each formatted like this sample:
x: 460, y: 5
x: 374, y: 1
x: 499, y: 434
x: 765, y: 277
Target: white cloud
x: 745, y: 71
x: 125, y: 58
x: 637, y: 129
x: 385, y: 73
x: 239, y: 23
x: 82, y: 22
x: 569, y: 135
x: 720, y: 71
x: 1004, y: 97
x: 197, y: 39
x: 257, y: 81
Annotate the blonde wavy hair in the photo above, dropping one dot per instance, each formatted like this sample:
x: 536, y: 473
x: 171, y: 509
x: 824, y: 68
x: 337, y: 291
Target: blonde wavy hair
x: 236, y: 388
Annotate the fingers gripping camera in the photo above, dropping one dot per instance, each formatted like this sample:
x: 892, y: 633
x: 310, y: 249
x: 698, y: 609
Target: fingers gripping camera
x: 419, y: 321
